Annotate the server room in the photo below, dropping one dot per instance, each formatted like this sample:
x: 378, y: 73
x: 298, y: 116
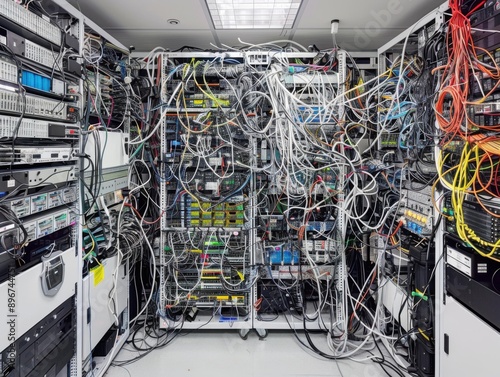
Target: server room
x: 260, y: 187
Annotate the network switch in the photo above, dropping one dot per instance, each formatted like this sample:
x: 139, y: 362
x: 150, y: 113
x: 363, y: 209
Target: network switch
x: 36, y: 24
x: 14, y: 179
x: 111, y: 181
x: 28, y: 49
x: 33, y: 128
x: 320, y: 250
x: 40, y: 202
x: 47, y: 223
x: 53, y: 175
x: 34, y: 155
x: 11, y: 101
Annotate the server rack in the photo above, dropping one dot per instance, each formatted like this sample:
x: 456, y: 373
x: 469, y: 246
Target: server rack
x: 196, y: 218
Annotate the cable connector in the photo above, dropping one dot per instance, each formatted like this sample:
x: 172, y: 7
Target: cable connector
x: 334, y: 26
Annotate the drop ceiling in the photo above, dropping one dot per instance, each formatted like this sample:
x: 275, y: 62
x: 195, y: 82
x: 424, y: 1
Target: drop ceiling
x: 364, y: 25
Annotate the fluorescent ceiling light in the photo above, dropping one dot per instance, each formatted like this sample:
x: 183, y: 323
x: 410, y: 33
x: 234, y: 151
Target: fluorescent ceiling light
x: 253, y: 14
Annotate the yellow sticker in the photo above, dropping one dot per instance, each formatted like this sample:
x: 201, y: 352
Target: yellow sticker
x: 98, y: 275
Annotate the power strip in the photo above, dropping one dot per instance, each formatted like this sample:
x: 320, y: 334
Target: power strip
x: 23, y: 17
x: 306, y: 79
x: 257, y: 58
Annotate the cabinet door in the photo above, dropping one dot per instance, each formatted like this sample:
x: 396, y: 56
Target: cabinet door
x: 469, y: 346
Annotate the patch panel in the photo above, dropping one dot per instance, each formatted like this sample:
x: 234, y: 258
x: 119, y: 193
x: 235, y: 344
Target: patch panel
x: 274, y: 222
x: 257, y: 58
x: 313, y: 114
x: 322, y: 272
x: 111, y: 181
x: 23, y: 17
x: 34, y: 128
x: 215, y: 274
x: 211, y: 285
x: 207, y: 215
x: 216, y: 298
x: 219, y: 100
x: 320, y: 250
x: 35, y: 105
x: 418, y: 211
x: 306, y: 79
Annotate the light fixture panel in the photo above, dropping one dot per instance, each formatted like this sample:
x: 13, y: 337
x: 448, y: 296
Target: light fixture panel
x: 253, y: 14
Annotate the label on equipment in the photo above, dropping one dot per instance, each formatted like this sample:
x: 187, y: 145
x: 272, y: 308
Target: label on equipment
x: 11, y: 183
x: 460, y: 261
x: 482, y: 268
x: 6, y: 227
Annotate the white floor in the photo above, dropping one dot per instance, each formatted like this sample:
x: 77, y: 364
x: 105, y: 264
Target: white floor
x: 208, y: 354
